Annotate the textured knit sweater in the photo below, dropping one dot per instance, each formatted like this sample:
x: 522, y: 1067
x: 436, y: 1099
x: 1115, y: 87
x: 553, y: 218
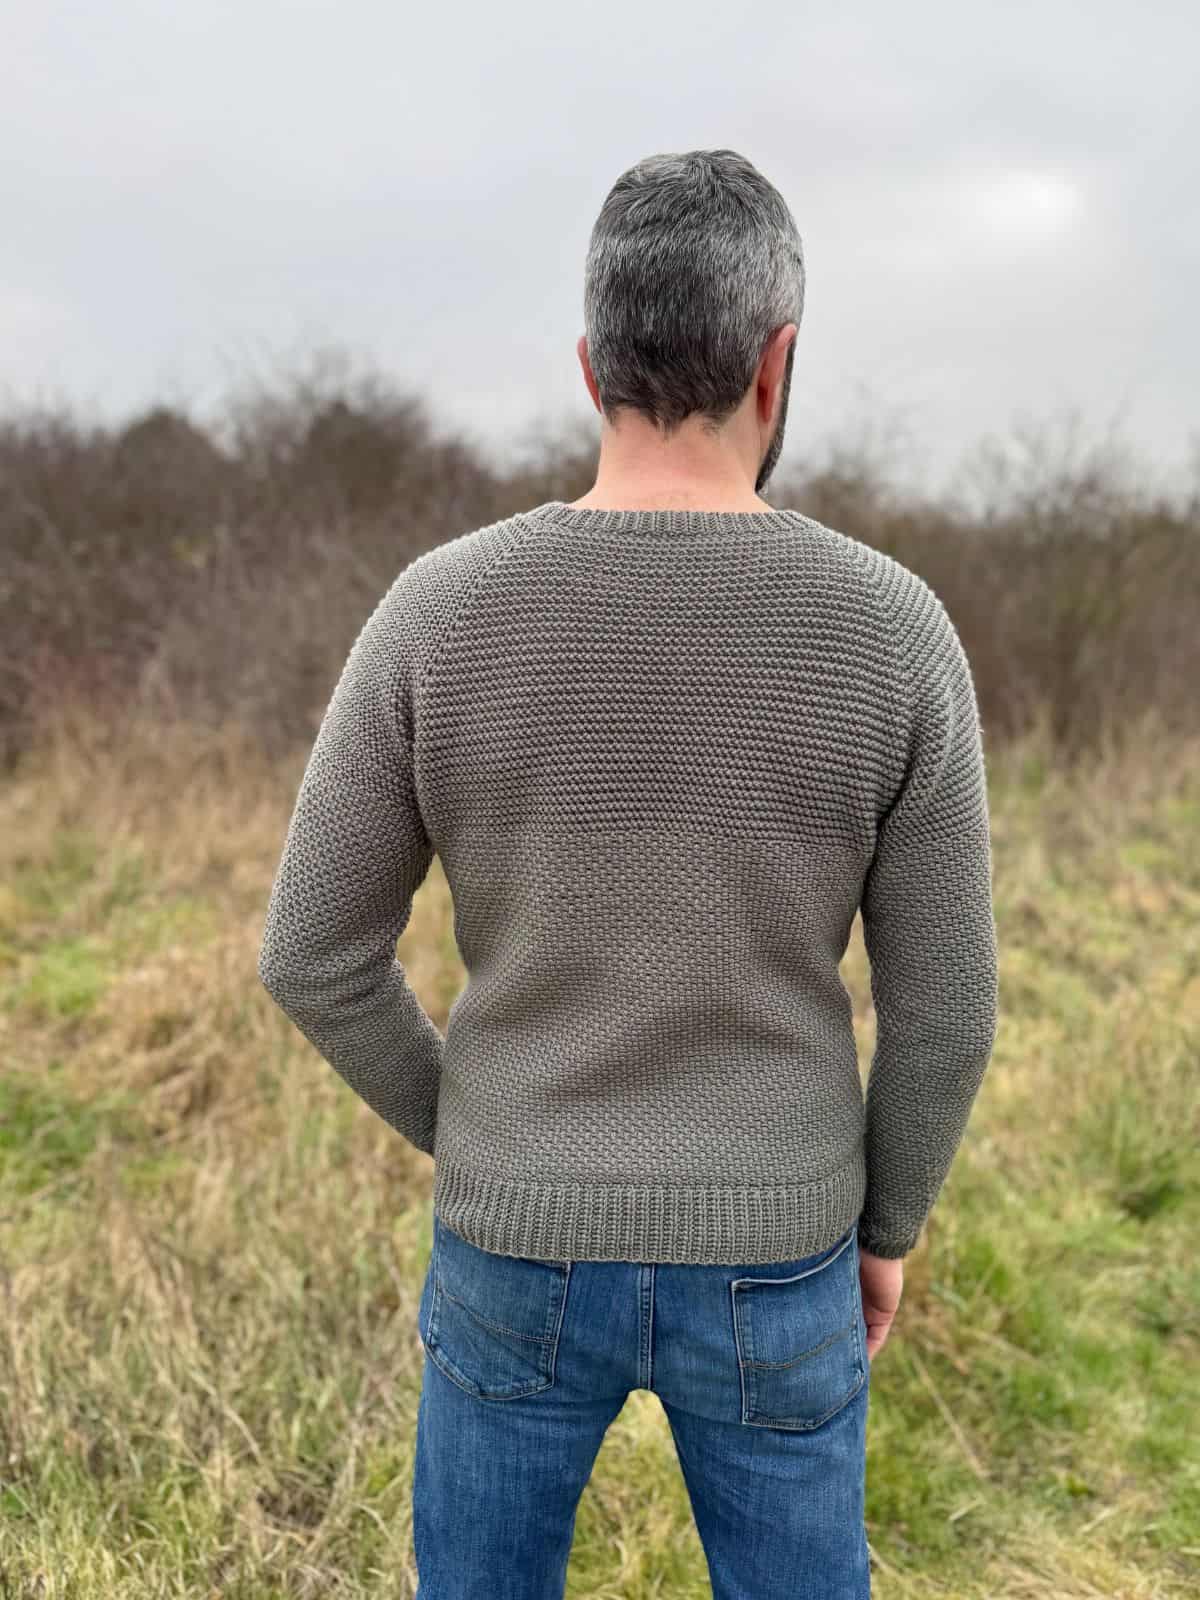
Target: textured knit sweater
x: 664, y: 758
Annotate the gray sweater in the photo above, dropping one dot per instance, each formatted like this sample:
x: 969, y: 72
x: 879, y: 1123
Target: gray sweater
x: 664, y: 757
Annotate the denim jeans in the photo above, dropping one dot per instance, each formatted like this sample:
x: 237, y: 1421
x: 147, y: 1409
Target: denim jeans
x: 762, y: 1372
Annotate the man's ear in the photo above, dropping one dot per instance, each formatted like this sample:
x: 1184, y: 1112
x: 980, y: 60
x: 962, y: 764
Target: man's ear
x: 773, y: 365
x: 589, y: 376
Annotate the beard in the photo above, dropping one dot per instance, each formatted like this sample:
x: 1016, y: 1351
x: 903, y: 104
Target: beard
x: 776, y: 444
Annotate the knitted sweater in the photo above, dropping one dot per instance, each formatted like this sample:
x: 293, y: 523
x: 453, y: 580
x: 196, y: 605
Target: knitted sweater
x: 664, y: 758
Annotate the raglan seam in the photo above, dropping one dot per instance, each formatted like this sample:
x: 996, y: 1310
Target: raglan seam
x: 868, y: 562
x: 428, y: 658
x: 427, y: 668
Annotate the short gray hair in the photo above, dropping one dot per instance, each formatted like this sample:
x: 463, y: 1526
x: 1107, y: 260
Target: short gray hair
x: 694, y: 261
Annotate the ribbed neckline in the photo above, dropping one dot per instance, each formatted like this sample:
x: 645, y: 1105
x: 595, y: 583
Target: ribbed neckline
x: 595, y: 519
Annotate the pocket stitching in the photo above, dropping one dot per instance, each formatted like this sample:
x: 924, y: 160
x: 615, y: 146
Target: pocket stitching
x: 806, y: 1426
x: 747, y: 1367
x: 497, y: 1327
x: 806, y: 1355
x: 548, y: 1371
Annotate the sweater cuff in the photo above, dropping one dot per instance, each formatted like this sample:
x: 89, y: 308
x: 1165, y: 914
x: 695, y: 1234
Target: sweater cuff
x: 891, y: 1246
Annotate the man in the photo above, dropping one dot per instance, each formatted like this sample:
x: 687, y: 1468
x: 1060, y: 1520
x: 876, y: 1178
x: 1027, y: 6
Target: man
x: 666, y: 741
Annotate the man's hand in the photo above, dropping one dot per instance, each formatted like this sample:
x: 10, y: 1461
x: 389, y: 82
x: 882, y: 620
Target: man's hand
x: 882, y: 1281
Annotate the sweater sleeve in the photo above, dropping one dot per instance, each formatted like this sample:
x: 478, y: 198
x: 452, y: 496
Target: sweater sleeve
x: 355, y: 853
x: 929, y: 931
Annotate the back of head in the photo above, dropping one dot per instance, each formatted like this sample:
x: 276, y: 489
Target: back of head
x: 694, y: 261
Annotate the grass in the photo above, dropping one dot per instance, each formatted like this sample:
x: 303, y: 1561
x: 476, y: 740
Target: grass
x: 211, y: 1253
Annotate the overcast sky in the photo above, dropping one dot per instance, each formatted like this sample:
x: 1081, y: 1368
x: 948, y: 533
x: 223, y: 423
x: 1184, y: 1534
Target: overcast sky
x: 998, y: 203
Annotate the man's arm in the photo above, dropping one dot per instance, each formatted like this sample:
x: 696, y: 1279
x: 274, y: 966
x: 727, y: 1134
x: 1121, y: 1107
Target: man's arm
x: 355, y: 853
x: 930, y: 934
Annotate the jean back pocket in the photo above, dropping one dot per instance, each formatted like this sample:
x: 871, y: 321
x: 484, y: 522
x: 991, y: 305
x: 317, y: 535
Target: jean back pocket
x: 799, y: 1336
x: 493, y: 1321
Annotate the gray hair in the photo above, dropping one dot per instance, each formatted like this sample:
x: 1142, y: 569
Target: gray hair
x: 694, y: 261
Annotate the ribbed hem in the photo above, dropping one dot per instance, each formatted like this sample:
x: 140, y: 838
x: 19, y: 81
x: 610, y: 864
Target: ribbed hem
x: 594, y: 519
x: 716, y: 1225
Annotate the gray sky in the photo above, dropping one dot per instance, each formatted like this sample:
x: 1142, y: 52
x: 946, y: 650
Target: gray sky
x: 998, y: 204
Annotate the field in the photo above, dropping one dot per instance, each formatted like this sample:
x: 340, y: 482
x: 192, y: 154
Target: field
x: 211, y: 1252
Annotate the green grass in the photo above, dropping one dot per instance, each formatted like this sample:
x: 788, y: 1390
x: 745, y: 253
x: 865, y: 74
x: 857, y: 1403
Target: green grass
x: 211, y: 1253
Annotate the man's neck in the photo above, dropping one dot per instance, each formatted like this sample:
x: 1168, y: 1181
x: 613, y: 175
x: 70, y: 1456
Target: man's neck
x: 628, y: 497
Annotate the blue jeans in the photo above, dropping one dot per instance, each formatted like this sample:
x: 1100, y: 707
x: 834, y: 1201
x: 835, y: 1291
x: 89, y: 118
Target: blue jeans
x: 762, y: 1372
